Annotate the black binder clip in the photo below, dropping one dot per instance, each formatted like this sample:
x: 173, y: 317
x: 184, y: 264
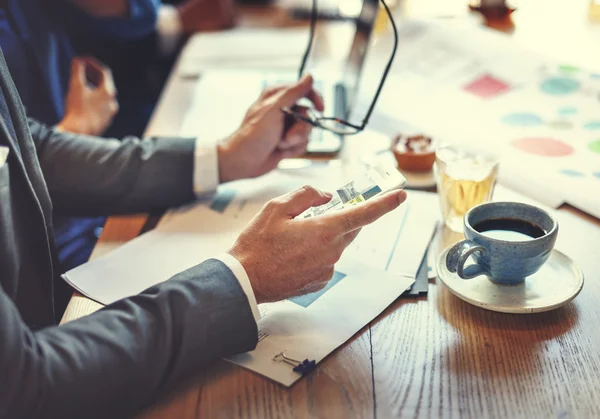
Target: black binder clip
x: 302, y: 368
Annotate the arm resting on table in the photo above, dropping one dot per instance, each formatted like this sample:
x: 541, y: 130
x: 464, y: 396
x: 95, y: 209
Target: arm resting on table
x: 119, y: 359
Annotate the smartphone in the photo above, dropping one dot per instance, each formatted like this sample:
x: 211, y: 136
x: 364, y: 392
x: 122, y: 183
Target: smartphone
x: 374, y: 182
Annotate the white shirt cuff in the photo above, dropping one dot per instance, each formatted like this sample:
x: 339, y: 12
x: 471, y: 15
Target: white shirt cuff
x: 206, y: 168
x: 242, y: 277
x: 168, y: 28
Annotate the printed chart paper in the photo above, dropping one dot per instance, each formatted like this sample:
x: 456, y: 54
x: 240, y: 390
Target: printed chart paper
x: 471, y: 87
x: 311, y: 327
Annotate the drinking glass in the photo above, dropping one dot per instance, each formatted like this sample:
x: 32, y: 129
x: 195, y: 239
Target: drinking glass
x: 465, y: 178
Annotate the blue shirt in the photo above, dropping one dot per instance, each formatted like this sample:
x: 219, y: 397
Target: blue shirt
x: 38, y: 52
x: 33, y: 36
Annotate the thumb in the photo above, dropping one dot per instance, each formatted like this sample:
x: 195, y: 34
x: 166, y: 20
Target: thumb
x: 77, y: 72
x: 107, y: 82
x: 298, y: 201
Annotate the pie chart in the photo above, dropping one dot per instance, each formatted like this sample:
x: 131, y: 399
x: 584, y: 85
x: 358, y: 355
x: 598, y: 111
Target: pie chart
x: 544, y: 147
x: 567, y: 110
x: 572, y: 173
x: 560, y: 124
x: 523, y: 119
x: 558, y: 86
x: 592, y: 125
x: 568, y: 68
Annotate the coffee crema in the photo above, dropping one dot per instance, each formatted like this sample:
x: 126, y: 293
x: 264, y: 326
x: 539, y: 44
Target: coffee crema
x: 509, y: 229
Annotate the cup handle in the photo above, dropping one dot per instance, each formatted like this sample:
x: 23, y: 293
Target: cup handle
x: 457, y: 257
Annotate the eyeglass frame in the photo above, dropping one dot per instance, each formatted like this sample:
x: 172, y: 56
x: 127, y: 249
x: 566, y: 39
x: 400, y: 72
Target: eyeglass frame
x: 316, y: 121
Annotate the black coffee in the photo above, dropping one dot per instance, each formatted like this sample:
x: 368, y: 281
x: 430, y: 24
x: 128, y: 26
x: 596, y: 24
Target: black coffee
x: 509, y: 229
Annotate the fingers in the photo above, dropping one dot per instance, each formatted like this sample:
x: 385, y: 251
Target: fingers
x: 100, y: 75
x: 78, y: 72
x: 292, y: 153
x: 93, y: 70
x: 92, y: 62
x: 106, y: 82
x: 296, y: 136
x: 289, y: 95
x: 317, y: 100
x: 279, y: 155
x: 271, y: 91
x: 291, y: 120
x: 293, y: 145
x: 360, y: 215
x: 295, y: 203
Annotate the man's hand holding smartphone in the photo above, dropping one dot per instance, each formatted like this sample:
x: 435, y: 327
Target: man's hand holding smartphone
x: 285, y: 255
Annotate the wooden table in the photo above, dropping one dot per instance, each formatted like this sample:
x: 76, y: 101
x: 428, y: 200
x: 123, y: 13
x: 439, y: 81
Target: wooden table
x: 426, y: 357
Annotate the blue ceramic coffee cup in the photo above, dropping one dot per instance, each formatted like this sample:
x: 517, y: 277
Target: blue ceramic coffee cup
x: 508, y: 241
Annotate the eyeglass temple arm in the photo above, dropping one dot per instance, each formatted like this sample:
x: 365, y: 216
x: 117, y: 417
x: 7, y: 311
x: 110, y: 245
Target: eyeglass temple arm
x: 387, y: 67
x: 313, y: 23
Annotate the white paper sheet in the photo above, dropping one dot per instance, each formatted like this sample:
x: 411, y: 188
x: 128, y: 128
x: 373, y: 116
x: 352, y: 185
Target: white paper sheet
x: 219, y: 103
x: 469, y: 86
x: 244, y: 48
x: 314, y: 327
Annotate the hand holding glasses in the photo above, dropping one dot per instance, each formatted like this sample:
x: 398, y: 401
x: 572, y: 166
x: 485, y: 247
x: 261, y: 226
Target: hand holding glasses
x: 332, y: 124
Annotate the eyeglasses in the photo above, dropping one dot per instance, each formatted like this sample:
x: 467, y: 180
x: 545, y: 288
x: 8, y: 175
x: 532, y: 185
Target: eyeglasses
x: 333, y: 124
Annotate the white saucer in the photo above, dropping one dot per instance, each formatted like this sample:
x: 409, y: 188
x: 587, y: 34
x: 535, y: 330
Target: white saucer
x: 554, y: 285
x: 419, y: 180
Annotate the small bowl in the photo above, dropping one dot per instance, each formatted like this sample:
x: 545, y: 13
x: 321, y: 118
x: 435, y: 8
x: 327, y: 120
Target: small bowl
x: 414, y: 153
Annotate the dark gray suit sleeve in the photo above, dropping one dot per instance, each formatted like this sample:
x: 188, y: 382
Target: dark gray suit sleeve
x: 121, y: 358
x: 96, y: 176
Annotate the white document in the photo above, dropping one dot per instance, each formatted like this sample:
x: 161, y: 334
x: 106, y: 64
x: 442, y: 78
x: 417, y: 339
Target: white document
x: 244, y: 48
x: 471, y: 87
x: 313, y: 326
x: 220, y: 102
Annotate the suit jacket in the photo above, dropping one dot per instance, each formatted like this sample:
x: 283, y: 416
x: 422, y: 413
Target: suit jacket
x: 117, y: 360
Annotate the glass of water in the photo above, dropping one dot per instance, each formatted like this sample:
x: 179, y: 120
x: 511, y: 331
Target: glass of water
x: 465, y: 178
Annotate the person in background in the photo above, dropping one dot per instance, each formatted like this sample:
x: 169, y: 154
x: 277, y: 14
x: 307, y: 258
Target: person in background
x: 179, y: 19
x: 75, y: 94
x: 41, y: 39
x: 142, y: 66
x: 39, y: 52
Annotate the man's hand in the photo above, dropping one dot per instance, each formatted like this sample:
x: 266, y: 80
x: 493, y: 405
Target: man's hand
x: 206, y: 15
x: 286, y: 257
x: 263, y: 139
x: 91, y: 102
